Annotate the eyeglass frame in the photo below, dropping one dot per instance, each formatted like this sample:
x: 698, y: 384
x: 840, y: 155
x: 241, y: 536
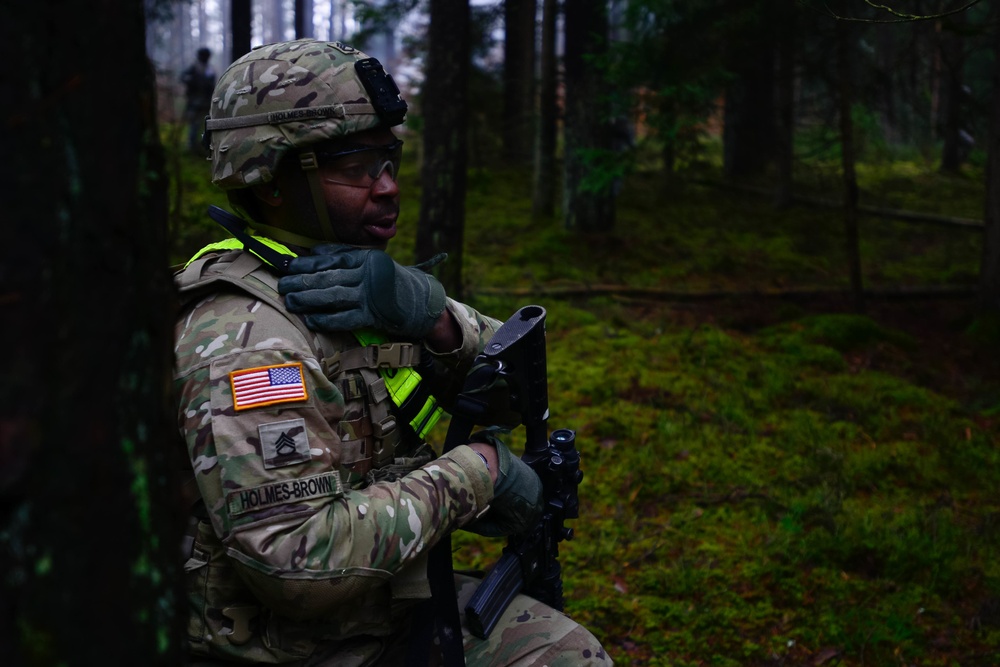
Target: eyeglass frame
x: 323, y: 157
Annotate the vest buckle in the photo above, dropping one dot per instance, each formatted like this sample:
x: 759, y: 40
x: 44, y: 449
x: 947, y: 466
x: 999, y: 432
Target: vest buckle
x: 392, y: 355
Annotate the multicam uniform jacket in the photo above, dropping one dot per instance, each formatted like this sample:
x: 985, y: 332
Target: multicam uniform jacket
x: 307, y: 535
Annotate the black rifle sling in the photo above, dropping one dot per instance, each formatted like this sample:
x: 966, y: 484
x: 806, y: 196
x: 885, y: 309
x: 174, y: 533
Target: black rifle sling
x: 443, y: 605
x: 441, y: 611
x: 237, y: 227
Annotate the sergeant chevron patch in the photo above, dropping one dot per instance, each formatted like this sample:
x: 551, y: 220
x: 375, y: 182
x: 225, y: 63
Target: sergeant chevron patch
x: 284, y: 443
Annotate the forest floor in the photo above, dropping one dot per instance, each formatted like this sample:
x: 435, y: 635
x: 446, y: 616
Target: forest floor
x: 952, y: 362
x: 940, y: 356
x: 770, y: 478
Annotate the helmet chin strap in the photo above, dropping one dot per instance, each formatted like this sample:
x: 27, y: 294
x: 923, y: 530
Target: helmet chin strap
x: 310, y: 167
x: 285, y: 236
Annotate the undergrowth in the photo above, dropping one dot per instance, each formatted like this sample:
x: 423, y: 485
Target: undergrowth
x: 805, y: 486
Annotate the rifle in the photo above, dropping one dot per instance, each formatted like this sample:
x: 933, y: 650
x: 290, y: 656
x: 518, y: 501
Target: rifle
x: 515, y: 357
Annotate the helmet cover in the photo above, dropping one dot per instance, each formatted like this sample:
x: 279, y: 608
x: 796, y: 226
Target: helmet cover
x: 285, y: 96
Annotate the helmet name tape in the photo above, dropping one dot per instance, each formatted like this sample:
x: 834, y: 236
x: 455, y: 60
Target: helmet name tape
x: 384, y: 94
x: 273, y: 117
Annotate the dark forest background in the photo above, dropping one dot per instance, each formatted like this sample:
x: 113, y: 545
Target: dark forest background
x: 767, y: 236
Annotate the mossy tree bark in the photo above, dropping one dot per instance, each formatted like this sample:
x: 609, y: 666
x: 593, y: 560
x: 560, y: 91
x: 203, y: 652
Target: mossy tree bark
x: 588, y: 180
x: 441, y: 226
x: 546, y: 132
x: 88, y: 535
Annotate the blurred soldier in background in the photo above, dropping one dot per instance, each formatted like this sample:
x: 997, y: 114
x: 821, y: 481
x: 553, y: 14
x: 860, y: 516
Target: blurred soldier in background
x: 199, y: 84
x: 314, y: 496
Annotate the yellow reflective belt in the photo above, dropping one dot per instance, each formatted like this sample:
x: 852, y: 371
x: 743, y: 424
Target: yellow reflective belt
x: 400, y: 382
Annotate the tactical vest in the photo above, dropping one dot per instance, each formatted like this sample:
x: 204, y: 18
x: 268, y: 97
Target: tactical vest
x: 401, y: 409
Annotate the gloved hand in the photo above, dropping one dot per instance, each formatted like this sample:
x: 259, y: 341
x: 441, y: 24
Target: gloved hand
x: 517, y: 495
x: 343, y: 288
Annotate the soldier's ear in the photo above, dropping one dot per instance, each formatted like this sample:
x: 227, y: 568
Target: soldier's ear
x: 267, y: 193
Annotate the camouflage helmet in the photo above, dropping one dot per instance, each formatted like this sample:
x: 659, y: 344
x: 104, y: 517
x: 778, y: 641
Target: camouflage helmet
x: 283, y: 97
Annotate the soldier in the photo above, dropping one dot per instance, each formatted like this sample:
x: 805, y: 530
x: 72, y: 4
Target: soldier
x: 199, y: 82
x: 315, y: 499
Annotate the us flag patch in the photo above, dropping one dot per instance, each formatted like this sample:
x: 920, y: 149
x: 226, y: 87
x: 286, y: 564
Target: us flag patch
x: 254, y: 387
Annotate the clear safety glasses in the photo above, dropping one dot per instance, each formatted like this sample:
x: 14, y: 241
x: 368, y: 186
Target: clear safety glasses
x: 360, y: 167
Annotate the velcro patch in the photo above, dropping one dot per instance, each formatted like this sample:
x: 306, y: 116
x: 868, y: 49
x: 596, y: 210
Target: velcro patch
x: 282, y: 493
x: 284, y: 443
x: 343, y: 48
x: 268, y: 385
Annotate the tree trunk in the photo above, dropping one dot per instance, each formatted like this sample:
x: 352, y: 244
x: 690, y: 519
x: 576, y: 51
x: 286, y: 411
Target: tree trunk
x: 445, y: 104
x: 180, y: 32
x: 89, y: 534
x: 381, y: 35
x: 989, y: 273
x: 344, y: 11
x: 784, y: 149
x: 588, y: 197
x: 952, y: 62
x: 335, y: 14
x: 274, y: 22
x: 203, y: 26
x: 546, y: 134
x: 303, y: 19
x: 749, y: 127
x: 885, y: 54
x: 226, y: 11
x: 518, y: 80
x: 935, y: 76
x: 240, y: 19
x: 845, y: 98
x: 669, y: 135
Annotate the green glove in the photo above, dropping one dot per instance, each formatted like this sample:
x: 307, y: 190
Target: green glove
x: 517, y: 494
x: 343, y: 288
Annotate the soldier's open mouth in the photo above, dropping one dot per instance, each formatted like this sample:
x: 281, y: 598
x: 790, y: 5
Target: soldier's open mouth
x: 382, y: 230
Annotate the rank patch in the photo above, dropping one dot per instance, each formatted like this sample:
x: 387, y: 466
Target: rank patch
x: 267, y: 385
x: 284, y: 443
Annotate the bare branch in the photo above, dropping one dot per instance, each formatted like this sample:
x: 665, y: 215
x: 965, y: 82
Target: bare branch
x: 903, y: 17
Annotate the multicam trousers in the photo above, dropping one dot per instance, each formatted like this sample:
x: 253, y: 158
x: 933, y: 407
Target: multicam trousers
x: 528, y: 634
